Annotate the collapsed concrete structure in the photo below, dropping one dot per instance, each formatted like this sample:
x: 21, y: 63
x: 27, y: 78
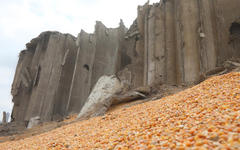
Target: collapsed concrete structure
x: 172, y: 42
x: 56, y: 72
x: 182, y: 39
x: 43, y: 76
x: 98, y: 54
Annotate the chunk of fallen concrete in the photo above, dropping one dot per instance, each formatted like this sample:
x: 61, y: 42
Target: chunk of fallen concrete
x: 136, y: 94
x: 33, y: 122
x: 100, y: 98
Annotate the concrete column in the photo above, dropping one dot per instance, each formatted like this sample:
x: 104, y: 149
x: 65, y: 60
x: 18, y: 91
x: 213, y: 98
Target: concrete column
x: 151, y: 46
x: 190, y: 47
x: 170, y: 42
x: 4, y: 119
x: 160, y: 53
x: 82, y: 72
x: 180, y: 74
x: 20, y: 91
x: 145, y: 76
x: 206, y: 33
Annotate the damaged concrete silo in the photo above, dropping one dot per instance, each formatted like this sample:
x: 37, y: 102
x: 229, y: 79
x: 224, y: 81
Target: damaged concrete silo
x: 43, y: 77
x: 184, y: 39
x: 99, y: 54
x: 173, y: 42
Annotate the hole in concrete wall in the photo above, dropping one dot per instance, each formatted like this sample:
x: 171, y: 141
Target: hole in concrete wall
x: 235, y: 29
x: 86, y: 67
x: 234, y: 40
x: 137, y: 38
x: 125, y: 60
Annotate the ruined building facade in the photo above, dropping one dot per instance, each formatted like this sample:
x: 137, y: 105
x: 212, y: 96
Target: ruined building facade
x: 56, y: 72
x: 179, y: 40
x: 172, y: 42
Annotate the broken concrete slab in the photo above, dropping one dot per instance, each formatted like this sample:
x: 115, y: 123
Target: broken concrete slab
x: 99, y: 100
x: 127, y: 97
x: 34, y: 121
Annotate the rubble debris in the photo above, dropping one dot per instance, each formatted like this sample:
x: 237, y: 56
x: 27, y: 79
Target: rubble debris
x: 136, y: 94
x: 99, y: 100
x: 33, y: 122
x: 228, y: 66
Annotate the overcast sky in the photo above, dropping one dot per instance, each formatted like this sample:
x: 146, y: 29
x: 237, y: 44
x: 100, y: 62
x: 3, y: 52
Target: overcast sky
x: 22, y: 20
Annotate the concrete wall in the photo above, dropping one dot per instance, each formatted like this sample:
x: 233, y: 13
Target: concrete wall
x: 21, y: 87
x: 184, y: 39
x: 99, y: 54
x: 56, y: 73
x: 81, y: 84
x: 226, y: 13
x: 45, y: 69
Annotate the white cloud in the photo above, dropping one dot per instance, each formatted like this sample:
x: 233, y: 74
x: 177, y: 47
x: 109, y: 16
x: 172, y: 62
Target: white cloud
x: 22, y: 20
x: 31, y: 16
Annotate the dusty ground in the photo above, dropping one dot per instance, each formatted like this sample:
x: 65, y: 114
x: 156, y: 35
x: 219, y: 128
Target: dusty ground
x: 206, y: 116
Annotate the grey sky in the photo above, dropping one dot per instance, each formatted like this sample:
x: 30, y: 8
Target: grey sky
x: 22, y: 20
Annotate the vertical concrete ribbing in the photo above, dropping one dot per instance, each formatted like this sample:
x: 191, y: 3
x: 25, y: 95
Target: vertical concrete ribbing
x: 170, y: 42
x: 190, y: 22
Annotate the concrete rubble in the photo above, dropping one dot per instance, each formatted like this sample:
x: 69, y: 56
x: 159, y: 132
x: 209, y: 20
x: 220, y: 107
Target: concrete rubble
x: 33, y: 122
x: 99, y: 100
x: 174, y: 42
x: 4, y: 119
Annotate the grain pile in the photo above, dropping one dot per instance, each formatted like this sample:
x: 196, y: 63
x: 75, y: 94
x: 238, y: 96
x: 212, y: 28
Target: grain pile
x: 206, y: 116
